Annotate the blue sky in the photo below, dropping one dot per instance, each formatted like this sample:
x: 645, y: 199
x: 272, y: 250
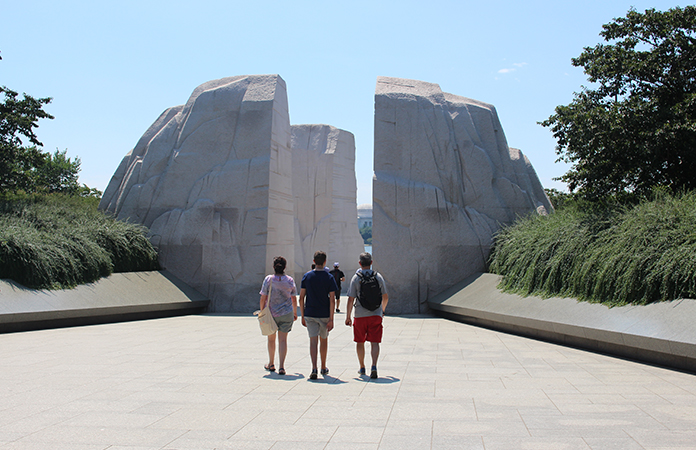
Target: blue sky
x: 113, y: 66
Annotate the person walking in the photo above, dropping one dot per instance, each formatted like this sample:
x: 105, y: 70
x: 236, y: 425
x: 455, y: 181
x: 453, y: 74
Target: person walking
x: 368, y: 287
x: 317, y: 302
x: 338, y: 277
x: 283, y: 306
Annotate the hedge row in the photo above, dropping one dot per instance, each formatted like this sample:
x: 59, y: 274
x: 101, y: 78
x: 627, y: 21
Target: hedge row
x: 614, y: 255
x: 58, y: 241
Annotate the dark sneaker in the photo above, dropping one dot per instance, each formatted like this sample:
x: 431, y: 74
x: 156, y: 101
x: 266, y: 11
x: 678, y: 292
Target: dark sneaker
x: 325, y: 371
x: 361, y: 371
x: 313, y: 375
x: 373, y: 373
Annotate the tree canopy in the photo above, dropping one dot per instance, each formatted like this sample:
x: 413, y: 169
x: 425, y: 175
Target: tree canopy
x: 635, y: 129
x: 24, y: 167
x: 18, y: 118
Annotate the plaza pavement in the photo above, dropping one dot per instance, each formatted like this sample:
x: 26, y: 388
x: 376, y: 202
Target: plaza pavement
x: 197, y: 382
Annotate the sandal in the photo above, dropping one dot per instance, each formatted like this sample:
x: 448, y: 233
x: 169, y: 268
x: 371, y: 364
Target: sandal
x: 325, y: 371
x: 269, y: 367
x: 313, y: 375
x: 281, y: 371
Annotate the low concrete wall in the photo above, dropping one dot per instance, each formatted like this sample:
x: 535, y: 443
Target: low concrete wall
x: 659, y: 333
x: 119, y: 297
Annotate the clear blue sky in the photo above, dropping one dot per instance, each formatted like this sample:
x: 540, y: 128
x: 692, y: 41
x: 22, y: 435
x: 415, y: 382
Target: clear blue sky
x: 113, y: 66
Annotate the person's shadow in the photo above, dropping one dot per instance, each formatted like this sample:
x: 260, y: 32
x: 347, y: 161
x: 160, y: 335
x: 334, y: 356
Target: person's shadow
x: 328, y: 379
x: 380, y: 380
x: 286, y: 377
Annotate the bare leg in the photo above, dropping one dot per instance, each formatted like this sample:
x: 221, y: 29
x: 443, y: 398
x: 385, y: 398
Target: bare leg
x: 282, y: 348
x: 360, y: 347
x: 271, y: 349
x: 375, y: 352
x: 313, y: 346
x: 323, y: 349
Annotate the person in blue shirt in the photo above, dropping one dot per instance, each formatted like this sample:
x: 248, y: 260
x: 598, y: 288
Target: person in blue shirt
x: 317, y: 303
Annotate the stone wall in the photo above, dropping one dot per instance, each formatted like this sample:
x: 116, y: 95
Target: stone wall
x: 213, y: 181
x: 325, y: 190
x: 445, y: 180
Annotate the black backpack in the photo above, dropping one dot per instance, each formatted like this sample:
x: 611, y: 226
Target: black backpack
x: 370, y: 295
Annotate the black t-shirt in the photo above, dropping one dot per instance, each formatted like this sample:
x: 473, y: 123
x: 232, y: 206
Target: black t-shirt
x: 318, y: 284
x: 337, y: 274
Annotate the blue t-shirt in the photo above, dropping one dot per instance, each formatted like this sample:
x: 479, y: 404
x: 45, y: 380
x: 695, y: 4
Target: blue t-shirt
x: 317, y: 285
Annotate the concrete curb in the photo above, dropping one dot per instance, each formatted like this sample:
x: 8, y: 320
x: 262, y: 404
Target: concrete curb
x: 659, y: 333
x: 119, y: 297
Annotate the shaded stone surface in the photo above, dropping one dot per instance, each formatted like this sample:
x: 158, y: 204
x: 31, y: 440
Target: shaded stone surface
x: 445, y: 179
x: 212, y: 179
x: 325, y: 189
x: 118, y: 297
x: 658, y: 333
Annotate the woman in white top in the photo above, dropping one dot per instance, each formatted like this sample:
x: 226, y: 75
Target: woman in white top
x: 283, y: 305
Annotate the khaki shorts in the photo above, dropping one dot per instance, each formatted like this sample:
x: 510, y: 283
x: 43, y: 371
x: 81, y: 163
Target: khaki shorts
x: 316, y: 326
x: 285, y: 322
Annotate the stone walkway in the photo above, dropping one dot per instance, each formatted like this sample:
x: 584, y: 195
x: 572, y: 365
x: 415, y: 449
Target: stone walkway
x: 196, y: 382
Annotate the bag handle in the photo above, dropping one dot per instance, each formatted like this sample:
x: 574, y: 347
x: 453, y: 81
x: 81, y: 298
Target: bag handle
x: 268, y: 299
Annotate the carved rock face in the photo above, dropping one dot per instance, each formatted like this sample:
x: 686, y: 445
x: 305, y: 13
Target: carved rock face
x: 213, y: 181
x: 325, y: 189
x: 225, y: 184
x: 445, y: 179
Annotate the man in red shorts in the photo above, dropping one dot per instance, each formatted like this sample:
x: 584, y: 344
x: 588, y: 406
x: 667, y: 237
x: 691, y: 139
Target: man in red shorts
x: 367, y: 286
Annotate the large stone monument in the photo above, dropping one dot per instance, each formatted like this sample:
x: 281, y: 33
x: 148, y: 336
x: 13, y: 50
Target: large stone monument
x: 445, y: 180
x: 325, y: 188
x: 213, y: 181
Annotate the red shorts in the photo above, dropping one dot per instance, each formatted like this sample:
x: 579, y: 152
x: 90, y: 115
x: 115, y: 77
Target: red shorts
x: 367, y: 329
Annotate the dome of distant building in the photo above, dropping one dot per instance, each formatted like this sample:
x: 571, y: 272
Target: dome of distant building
x: 364, y: 215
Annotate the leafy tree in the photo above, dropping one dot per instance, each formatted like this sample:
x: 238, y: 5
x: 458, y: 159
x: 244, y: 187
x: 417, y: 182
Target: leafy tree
x: 366, y: 233
x: 557, y: 198
x: 58, y: 173
x: 26, y: 168
x: 18, y: 118
x: 637, y: 128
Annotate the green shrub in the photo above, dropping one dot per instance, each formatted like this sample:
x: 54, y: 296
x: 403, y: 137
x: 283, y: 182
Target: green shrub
x: 58, y: 241
x: 611, y: 254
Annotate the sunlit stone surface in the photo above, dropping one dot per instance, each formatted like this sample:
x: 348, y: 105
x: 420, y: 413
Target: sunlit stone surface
x: 324, y: 186
x: 213, y: 181
x: 445, y: 179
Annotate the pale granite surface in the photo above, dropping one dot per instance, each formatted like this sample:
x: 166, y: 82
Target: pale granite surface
x: 661, y: 333
x: 117, y: 297
x: 325, y: 191
x: 212, y: 180
x: 445, y: 180
x: 197, y: 382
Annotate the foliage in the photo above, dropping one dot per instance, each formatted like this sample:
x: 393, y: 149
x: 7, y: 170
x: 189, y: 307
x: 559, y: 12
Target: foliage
x: 58, y: 173
x: 26, y: 168
x: 637, y: 128
x: 18, y: 118
x: 366, y: 233
x: 59, y: 241
x: 557, y: 198
x: 612, y: 254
